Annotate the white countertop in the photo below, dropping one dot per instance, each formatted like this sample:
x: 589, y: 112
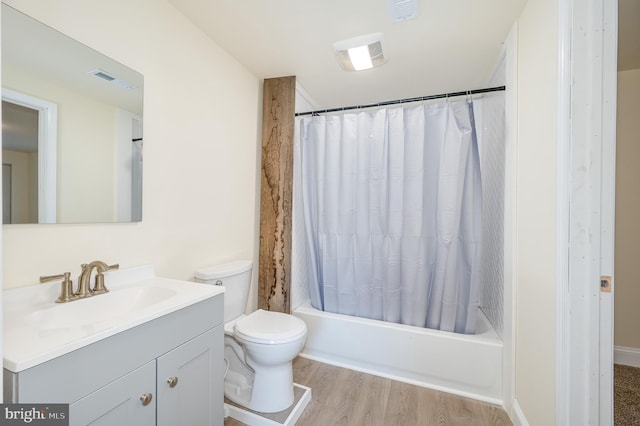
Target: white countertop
x: 36, y: 329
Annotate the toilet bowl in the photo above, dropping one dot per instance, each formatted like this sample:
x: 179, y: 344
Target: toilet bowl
x: 258, y: 348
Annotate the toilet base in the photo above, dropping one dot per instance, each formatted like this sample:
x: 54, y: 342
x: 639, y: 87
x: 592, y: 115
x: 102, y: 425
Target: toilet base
x: 270, y: 392
x: 272, y: 389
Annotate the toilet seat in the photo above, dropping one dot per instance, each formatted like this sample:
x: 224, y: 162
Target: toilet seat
x: 270, y: 328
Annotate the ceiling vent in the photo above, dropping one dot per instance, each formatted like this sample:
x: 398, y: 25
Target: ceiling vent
x: 112, y: 79
x: 402, y: 10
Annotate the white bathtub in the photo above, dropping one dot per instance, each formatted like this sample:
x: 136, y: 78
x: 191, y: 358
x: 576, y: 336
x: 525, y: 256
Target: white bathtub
x: 467, y: 365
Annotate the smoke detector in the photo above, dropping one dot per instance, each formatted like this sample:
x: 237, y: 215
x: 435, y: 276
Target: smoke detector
x: 402, y: 10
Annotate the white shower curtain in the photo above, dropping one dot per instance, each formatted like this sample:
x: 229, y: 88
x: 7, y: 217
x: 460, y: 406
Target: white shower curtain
x: 391, y: 203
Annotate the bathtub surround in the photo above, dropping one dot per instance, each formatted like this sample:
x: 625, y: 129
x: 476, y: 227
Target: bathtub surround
x: 274, y: 278
x: 491, y: 120
x: 431, y: 363
x: 392, y: 202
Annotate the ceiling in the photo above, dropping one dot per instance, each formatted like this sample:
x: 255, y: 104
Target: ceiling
x: 452, y: 45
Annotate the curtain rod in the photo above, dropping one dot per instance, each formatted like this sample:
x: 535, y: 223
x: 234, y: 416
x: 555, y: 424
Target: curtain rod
x: 407, y: 100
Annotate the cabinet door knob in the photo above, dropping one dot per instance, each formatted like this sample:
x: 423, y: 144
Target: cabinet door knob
x: 173, y: 381
x: 146, y: 398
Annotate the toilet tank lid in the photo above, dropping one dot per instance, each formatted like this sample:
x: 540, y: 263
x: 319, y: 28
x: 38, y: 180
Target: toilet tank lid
x: 223, y: 270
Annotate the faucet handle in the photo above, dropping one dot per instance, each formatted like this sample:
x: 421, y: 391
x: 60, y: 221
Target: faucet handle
x: 99, y: 286
x: 63, y: 276
x: 66, y: 290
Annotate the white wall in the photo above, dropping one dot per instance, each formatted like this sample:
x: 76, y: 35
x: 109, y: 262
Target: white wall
x: 201, y: 137
x: 627, y: 236
x: 535, y: 377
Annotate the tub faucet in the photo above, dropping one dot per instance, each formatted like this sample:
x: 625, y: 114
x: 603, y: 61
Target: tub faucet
x: 85, y: 275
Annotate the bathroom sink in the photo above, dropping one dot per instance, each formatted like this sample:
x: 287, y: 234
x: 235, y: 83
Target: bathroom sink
x: 99, y: 310
x: 36, y: 329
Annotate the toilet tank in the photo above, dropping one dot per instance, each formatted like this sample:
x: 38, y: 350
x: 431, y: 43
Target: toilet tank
x: 236, y: 278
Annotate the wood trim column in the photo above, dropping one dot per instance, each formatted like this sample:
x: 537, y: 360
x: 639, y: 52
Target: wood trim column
x: 276, y: 194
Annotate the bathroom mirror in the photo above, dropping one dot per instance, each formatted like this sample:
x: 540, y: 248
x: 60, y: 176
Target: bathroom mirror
x: 71, y: 129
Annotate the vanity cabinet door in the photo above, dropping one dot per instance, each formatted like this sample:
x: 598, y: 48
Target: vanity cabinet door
x: 130, y: 400
x: 190, y: 382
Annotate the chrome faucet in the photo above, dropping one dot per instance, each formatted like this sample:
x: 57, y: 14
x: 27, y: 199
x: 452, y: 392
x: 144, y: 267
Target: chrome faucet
x: 83, y: 281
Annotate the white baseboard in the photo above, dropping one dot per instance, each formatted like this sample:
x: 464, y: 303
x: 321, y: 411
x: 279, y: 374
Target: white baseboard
x: 626, y: 356
x: 517, y: 416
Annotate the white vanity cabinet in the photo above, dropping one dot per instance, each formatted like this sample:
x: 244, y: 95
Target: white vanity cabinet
x: 109, y: 381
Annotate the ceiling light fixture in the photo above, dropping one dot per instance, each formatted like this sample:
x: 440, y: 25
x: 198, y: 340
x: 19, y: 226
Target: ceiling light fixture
x: 360, y: 53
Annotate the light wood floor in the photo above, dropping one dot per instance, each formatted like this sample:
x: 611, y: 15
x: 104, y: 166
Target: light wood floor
x: 350, y: 398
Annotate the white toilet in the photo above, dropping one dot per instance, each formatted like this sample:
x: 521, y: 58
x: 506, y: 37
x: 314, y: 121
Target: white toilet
x: 259, y: 347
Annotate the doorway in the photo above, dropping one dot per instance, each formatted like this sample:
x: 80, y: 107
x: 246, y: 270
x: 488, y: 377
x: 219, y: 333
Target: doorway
x: 627, y: 230
x: 19, y: 164
x: 30, y: 130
